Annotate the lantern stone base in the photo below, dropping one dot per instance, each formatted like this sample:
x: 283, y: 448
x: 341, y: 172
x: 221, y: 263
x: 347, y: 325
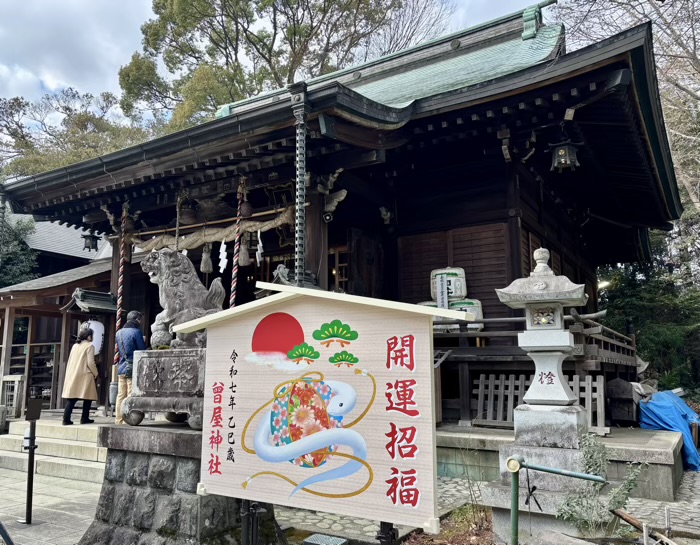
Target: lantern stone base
x: 549, y: 426
x: 149, y: 491
x: 533, y: 524
x: 545, y: 435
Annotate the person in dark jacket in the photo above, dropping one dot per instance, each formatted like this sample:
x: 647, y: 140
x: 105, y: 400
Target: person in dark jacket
x: 129, y: 340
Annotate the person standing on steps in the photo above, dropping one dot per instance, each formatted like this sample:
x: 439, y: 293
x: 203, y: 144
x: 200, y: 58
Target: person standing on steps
x: 81, y: 373
x: 129, y: 340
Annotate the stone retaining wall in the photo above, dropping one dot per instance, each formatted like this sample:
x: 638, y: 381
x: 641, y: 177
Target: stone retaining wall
x: 149, y: 492
x: 476, y: 455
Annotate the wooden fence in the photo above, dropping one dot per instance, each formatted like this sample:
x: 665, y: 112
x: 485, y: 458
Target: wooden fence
x: 497, y: 396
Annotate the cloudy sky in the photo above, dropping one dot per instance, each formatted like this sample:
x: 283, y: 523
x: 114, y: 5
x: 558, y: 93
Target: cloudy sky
x: 46, y: 45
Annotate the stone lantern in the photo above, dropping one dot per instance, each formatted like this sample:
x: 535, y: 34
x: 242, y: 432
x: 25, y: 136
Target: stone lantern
x: 549, y: 425
x: 543, y: 295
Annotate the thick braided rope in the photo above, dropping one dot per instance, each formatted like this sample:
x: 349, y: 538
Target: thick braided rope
x: 213, y: 234
x: 236, y: 252
x: 120, y: 285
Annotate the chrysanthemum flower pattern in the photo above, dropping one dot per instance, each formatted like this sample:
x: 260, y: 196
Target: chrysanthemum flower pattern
x: 302, y: 412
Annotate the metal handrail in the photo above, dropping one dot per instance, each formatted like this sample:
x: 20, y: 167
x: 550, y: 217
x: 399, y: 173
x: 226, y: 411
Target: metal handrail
x: 514, y: 464
x: 5, y: 535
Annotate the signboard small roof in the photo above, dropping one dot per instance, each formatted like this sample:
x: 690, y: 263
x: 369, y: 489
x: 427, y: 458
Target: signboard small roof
x: 288, y: 293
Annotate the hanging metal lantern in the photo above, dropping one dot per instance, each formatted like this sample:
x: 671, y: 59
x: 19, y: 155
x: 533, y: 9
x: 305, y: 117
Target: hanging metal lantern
x: 564, y: 152
x: 91, y: 241
x: 564, y: 156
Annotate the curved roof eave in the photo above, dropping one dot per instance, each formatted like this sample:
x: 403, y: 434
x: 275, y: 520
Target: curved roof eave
x: 634, y: 44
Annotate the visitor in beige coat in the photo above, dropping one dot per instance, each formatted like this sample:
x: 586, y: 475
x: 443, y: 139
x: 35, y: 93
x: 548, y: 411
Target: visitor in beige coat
x: 81, y: 373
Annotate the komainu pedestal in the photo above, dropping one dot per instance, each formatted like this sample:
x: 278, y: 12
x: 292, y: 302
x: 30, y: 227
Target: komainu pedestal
x: 170, y: 382
x: 149, y: 494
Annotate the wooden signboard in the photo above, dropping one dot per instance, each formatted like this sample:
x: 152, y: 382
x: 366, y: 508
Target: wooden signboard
x: 323, y: 401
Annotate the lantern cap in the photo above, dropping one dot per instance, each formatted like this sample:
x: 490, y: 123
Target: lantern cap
x: 543, y: 286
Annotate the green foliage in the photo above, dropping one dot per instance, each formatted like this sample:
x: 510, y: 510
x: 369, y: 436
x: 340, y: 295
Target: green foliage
x: 17, y: 260
x: 665, y: 318
x: 60, y: 129
x: 220, y: 51
x: 343, y: 357
x: 586, y: 508
x: 303, y: 352
x: 662, y: 298
x: 336, y: 330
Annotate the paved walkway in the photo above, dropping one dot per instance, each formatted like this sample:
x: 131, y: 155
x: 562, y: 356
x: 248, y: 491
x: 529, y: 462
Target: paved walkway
x: 685, y: 511
x: 452, y: 493
x: 64, y: 509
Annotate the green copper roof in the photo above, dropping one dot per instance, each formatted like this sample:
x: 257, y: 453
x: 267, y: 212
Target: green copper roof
x: 440, y: 75
x: 487, y: 51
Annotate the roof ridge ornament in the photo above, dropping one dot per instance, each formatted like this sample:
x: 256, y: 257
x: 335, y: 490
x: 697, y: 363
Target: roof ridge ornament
x: 532, y: 19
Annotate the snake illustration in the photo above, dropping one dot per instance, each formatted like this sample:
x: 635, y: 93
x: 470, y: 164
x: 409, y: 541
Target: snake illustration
x: 313, y: 445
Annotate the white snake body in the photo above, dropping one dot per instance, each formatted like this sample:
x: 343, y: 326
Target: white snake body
x: 343, y: 400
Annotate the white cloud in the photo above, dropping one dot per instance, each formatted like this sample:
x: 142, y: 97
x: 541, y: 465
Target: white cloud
x: 47, y: 45
x: 276, y: 360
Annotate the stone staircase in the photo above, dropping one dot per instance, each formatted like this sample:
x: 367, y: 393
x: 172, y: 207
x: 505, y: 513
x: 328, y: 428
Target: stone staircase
x: 69, y: 452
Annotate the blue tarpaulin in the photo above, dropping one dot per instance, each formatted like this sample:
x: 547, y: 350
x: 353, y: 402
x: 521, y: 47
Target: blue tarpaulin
x: 667, y: 411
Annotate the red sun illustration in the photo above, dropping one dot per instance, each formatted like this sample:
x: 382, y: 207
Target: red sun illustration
x: 278, y: 332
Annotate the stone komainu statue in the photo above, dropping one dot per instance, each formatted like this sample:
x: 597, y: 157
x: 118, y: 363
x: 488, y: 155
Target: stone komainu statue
x: 182, y: 296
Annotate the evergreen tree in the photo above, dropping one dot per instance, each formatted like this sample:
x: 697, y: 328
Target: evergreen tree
x: 17, y: 260
x: 219, y: 51
x: 61, y: 129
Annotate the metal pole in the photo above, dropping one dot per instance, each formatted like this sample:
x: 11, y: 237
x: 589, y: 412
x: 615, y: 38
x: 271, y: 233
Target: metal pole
x: 254, y: 524
x: 514, y: 464
x: 565, y: 473
x: 4, y: 534
x: 31, y: 447
x: 668, y: 521
x: 245, y: 522
x: 387, y: 534
x: 514, y: 505
x: 645, y: 533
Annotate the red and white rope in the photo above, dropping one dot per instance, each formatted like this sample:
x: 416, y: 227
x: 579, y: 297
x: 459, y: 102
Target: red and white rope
x: 236, y: 251
x: 120, y: 285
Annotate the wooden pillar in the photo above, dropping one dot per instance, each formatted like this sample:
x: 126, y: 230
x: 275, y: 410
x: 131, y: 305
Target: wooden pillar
x: 465, y: 394
x: 113, y: 287
x: 317, y: 239
x: 56, y: 400
x: 513, y: 204
x: 28, y: 362
x: 7, y: 334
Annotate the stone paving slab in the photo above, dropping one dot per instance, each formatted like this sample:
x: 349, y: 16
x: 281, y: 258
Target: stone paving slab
x: 685, y: 511
x: 452, y: 493
x: 63, y: 510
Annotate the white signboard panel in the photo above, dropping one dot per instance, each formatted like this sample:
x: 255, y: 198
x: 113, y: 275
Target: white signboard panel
x: 323, y: 405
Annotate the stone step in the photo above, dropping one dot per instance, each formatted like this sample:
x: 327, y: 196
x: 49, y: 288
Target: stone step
x: 53, y: 429
x: 76, y: 470
x: 62, y: 448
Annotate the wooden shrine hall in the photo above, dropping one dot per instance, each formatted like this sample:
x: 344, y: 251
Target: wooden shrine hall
x: 469, y: 151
